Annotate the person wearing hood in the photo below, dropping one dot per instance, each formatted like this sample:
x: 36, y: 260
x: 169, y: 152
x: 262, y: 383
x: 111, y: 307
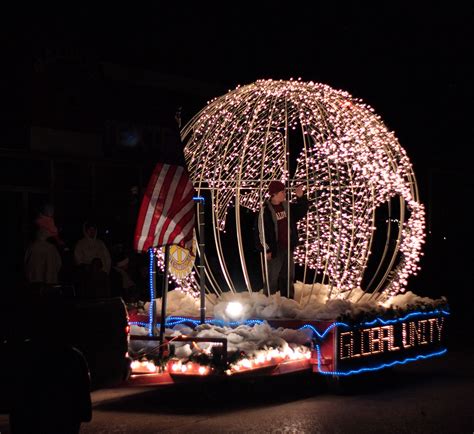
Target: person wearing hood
x: 277, y: 236
x: 45, y: 222
x: 90, y: 247
x: 42, y: 260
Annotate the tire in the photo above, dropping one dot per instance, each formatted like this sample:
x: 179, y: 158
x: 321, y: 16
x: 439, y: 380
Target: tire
x: 51, y: 398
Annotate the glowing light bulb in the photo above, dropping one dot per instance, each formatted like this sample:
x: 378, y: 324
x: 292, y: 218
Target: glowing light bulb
x: 234, y: 309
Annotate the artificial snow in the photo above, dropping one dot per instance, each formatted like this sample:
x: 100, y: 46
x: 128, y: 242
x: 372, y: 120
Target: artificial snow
x: 248, y: 339
x: 312, y: 302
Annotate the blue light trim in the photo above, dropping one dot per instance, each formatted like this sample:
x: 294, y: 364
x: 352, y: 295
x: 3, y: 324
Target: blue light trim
x: 152, y: 292
x: 378, y: 367
x: 138, y: 323
x: 323, y: 335
x: 393, y: 321
x: 199, y: 199
x: 175, y: 320
x: 371, y: 323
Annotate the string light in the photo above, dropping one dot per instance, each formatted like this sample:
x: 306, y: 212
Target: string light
x: 151, y: 277
x: 377, y: 367
x: 172, y: 321
x: 349, y: 162
x: 418, y: 314
x: 187, y: 284
x: 373, y: 340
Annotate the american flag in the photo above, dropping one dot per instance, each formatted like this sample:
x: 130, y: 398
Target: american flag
x: 167, y: 211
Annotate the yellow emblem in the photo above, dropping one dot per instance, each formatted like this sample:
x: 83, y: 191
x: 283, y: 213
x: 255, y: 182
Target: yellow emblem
x: 181, y: 260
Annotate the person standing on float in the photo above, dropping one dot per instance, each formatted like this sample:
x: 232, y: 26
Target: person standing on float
x: 277, y: 236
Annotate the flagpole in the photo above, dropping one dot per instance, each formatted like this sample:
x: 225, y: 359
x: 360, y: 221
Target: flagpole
x: 152, y: 309
x: 164, y: 297
x: 201, y: 266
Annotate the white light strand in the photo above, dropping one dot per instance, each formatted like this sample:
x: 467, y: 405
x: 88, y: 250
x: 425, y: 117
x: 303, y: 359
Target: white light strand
x: 349, y: 162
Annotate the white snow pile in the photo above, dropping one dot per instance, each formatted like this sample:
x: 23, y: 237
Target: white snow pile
x: 310, y: 303
x: 249, y: 339
x: 252, y: 340
x: 259, y: 340
x: 411, y: 300
x: 179, y: 303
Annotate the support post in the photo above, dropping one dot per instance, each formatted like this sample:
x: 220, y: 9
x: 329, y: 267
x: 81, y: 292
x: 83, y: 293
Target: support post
x: 201, y: 266
x: 152, y: 283
x: 164, y: 298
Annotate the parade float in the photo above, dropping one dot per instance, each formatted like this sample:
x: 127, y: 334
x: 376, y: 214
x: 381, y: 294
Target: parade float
x: 359, y: 245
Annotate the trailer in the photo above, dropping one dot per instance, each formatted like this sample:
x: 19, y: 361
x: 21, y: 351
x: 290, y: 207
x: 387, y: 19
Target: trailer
x: 336, y: 349
x: 359, y: 240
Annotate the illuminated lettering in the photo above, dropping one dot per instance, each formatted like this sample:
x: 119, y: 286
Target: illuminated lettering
x: 418, y: 332
x: 368, y: 332
x: 387, y: 338
x: 423, y: 323
x: 414, y: 333
x: 345, y: 347
x: 354, y: 354
x: 432, y: 321
x: 375, y: 340
x: 404, y: 336
x: 439, y: 325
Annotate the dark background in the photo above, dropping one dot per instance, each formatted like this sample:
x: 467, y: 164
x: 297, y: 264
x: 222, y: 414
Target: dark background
x: 111, y: 77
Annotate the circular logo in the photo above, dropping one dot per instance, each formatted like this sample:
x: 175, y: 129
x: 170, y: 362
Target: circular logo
x: 181, y: 260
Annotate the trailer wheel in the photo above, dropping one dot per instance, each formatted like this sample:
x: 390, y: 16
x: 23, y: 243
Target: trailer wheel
x: 54, y: 394
x: 335, y: 384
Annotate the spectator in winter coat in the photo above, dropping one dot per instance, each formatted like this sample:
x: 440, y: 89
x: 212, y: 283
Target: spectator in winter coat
x: 90, y: 247
x: 42, y: 260
x: 277, y: 237
x: 45, y: 222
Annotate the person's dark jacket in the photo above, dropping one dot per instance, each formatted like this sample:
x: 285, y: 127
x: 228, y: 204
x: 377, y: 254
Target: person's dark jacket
x: 266, y: 226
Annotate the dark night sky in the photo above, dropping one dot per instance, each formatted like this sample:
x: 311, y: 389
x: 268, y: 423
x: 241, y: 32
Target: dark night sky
x: 409, y: 62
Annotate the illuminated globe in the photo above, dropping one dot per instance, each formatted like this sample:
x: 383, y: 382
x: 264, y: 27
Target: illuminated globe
x: 365, y: 226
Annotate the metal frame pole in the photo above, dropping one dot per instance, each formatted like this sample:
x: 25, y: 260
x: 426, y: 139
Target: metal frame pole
x: 202, y: 244
x: 152, y: 284
x: 164, y: 297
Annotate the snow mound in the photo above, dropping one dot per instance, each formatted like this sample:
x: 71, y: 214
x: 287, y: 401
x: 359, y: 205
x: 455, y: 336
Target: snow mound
x: 311, y: 303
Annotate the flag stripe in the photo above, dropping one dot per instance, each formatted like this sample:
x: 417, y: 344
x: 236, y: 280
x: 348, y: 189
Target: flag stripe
x: 184, y: 206
x: 155, y: 206
x: 180, y: 220
x: 148, y: 206
x: 167, y: 210
x: 143, y: 214
x: 185, y: 236
x: 173, y: 203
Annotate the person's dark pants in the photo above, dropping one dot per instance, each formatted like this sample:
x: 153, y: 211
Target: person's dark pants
x: 278, y: 275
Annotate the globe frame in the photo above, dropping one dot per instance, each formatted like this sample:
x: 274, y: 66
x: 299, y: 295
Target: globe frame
x: 350, y: 164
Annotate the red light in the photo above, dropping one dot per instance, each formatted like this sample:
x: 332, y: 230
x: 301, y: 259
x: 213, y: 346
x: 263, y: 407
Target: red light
x: 127, y: 329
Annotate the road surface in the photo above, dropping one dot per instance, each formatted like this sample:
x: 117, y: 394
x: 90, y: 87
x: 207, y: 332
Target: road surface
x: 430, y: 396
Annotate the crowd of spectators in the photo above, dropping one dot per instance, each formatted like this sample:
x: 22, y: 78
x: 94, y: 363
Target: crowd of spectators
x: 88, y: 267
